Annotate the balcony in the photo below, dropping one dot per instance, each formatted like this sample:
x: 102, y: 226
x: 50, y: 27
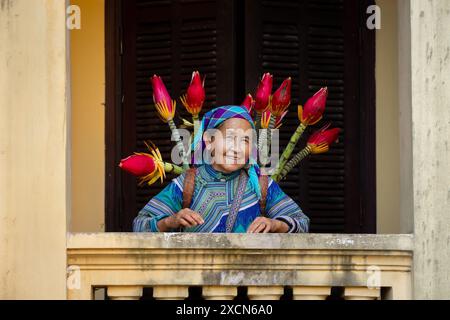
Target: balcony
x: 309, y: 266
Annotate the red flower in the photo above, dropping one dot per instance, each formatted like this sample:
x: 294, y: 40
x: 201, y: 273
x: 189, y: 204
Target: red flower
x: 163, y: 103
x: 248, y: 103
x: 148, y: 167
x: 320, y: 141
x: 281, y: 98
x: 138, y: 165
x: 314, y: 108
x: 262, y: 96
x: 195, y: 96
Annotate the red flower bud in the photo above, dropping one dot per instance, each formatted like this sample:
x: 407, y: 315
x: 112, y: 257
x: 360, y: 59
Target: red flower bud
x: 248, y: 103
x: 195, y: 96
x: 162, y: 100
x: 314, y: 108
x: 262, y: 96
x: 281, y: 98
x: 321, y: 140
x: 148, y: 167
x: 138, y: 165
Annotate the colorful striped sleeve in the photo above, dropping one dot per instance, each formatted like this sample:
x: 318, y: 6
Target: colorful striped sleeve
x: 281, y: 207
x: 164, y: 204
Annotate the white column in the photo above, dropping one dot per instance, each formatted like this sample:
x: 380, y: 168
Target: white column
x: 310, y: 293
x: 265, y: 292
x: 219, y: 292
x: 430, y: 81
x: 170, y: 292
x: 361, y: 293
x: 125, y: 292
x: 34, y: 167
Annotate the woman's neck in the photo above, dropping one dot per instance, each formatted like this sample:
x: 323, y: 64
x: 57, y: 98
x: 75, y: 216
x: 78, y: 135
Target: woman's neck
x: 218, y: 169
x: 217, y: 173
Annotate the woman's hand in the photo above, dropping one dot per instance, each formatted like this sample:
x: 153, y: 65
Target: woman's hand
x: 184, y: 218
x: 265, y: 225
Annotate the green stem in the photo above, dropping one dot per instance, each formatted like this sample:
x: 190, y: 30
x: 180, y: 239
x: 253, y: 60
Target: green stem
x: 269, y: 131
x: 195, y: 121
x: 292, y: 164
x: 172, y: 168
x: 176, y: 136
x: 258, y: 122
x: 263, y: 147
x: 257, y: 128
x: 289, y: 148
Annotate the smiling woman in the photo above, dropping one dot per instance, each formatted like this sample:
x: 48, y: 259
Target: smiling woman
x: 230, y: 145
x: 227, y: 195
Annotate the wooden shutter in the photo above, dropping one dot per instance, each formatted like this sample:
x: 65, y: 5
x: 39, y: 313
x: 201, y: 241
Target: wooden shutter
x: 171, y: 39
x: 315, y: 43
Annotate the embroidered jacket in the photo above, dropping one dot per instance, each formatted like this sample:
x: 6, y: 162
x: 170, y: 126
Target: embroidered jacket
x: 213, y: 197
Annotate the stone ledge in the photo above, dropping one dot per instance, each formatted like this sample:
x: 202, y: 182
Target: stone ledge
x: 398, y: 242
x: 127, y: 262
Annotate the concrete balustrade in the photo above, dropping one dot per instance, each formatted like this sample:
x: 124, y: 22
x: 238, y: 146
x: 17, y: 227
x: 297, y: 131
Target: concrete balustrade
x: 361, y: 266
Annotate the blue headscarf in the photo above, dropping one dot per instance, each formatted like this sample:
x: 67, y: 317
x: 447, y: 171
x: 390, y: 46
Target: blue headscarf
x: 214, y: 118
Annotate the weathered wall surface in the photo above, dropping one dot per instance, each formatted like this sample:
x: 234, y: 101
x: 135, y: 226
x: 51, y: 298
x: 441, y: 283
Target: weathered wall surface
x: 430, y: 48
x: 33, y: 149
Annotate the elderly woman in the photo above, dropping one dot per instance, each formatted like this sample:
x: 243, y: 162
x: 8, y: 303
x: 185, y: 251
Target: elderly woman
x: 225, y: 195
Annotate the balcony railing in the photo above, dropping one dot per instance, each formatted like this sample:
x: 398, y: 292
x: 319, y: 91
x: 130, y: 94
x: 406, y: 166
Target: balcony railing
x: 311, y: 266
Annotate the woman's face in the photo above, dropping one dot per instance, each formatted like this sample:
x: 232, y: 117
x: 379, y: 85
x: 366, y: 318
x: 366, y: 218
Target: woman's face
x: 230, y: 145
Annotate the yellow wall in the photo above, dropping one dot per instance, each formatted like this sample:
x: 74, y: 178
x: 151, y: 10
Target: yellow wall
x: 387, y: 121
x: 88, y: 118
